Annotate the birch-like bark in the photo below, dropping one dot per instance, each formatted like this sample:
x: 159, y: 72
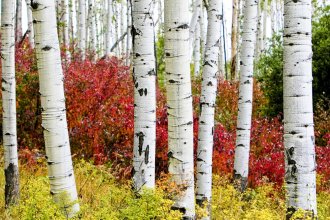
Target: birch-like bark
x: 207, y: 107
x: 18, y: 32
x: 179, y: 102
x: 197, y: 5
x: 82, y: 28
x: 259, y: 42
x: 197, y: 50
x: 203, y: 29
x: 109, y: 41
x: 30, y: 24
x: 234, y: 39
x: 144, y: 74
x: 54, y: 122
x: 65, y: 23
x: 300, y: 164
x: 242, y: 150
x: 9, y: 101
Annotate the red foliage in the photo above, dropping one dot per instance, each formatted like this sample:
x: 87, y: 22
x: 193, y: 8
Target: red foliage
x: 100, y: 121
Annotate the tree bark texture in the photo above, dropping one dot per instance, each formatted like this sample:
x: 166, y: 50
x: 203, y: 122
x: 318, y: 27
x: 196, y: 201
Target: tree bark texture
x: 179, y: 102
x: 207, y: 106
x: 53, y: 111
x: 9, y: 125
x: 243, y: 131
x: 300, y: 165
x: 144, y: 74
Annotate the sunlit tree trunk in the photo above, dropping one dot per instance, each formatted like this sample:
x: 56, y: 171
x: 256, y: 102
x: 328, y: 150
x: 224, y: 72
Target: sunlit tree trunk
x: 299, y: 136
x: 234, y: 39
x: 179, y: 102
x: 53, y: 112
x: 82, y: 28
x: 241, y: 164
x: 144, y: 73
x: 30, y: 23
x: 207, y: 106
x: 9, y: 101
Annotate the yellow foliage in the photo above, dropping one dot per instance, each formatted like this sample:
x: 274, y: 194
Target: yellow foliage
x: 101, y: 196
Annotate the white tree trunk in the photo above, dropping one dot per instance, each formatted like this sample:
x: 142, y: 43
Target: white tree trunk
x: 197, y: 50
x: 203, y: 28
x: 179, y: 102
x: 9, y: 101
x: 54, y: 122
x: 299, y: 136
x: 144, y: 74
x: 109, y: 41
x: 234, y: 33
x: 259, y: 41
x: 65, y: 23
x: 82, y: 28
x: 207, y: 104
x: 30, y: 24
x: 241, y: 164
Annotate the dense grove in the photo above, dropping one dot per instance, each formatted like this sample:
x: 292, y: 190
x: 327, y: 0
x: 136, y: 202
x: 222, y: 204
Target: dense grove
x: 99, y: 98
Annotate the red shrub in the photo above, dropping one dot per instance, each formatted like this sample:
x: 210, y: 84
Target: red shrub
x: 100, y: 121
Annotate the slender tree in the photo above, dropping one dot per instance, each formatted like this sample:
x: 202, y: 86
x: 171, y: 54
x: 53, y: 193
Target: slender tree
x: 234, y: 39
x: 299, y: 137
x: 241, y: 164
x: 207, y: 106
x: 9, y: 101
x: 65, y: 24
x: 179, y: 102
x: 144, y: 73
x: 30, y: 24
x: 54, y: 122
x: 109, y: 41
x: 82, y: 28
x: 18, y: 25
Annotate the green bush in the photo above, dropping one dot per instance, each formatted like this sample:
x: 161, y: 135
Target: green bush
x: 269, y: 69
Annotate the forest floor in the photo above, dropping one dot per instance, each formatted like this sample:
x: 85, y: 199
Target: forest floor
x: 103, y: 196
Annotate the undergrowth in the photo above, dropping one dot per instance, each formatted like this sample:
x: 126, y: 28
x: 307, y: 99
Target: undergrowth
x: 102, y: 196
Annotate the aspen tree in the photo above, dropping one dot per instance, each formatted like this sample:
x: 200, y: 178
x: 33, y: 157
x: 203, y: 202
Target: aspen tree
x: 207, y: 106
x: 234, y: 39
x: 82, y: 28
x: 30, y: 23
x: 9, y: 125
x: 18, y: 25
x: 144, y: 74
x: 53, y: 112
x: 179, y: 102
x: 300, y: 164
x: 243, y: 131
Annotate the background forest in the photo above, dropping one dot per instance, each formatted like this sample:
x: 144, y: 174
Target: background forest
x: 99, y: 93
